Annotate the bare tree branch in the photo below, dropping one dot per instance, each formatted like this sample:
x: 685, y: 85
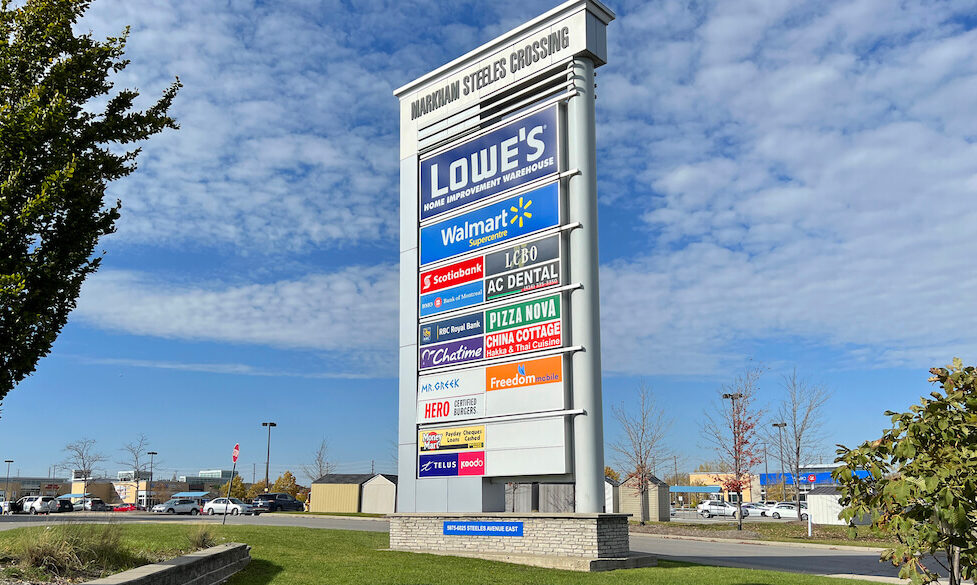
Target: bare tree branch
x: 731, y: 427
x: 81, y: 455
x: 320, y: 465
x: 643, y: 445
x: 802, y: 408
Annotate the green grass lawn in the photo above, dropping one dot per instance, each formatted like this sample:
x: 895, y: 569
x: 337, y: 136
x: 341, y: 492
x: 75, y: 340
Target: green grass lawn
x: 299, y: 556
x: 353, y: 514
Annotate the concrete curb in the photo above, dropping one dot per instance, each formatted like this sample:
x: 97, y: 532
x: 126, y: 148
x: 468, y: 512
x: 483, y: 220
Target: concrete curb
x: 273, y: 514
x: 203, y: 567
x: 814, y: 545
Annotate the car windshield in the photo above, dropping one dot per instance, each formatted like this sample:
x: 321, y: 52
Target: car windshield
x: 170, y: 503
x: 265, y: 497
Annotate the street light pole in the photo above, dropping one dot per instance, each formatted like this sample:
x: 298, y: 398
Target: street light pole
x: 736, y: 458
x: 149, y: 495
x: 268, y: 457
x: 783, y: 480
x: 6, y: 490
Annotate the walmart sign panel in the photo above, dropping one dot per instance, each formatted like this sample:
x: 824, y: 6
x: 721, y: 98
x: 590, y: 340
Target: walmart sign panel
x: 510, y: 218
x: 512, y: 155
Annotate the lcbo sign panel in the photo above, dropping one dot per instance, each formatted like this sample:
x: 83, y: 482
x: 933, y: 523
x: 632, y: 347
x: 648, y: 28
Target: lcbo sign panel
x: 510, y: 218
x: 512, y: 155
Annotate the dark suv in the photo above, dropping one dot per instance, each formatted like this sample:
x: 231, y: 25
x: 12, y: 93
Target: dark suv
x: 276, y: 502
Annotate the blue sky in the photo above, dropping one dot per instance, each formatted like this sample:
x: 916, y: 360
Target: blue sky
x: 782, y: 183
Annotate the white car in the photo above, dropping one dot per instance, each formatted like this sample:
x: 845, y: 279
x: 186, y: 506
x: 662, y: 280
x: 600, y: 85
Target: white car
x: 38, y: 504
x: 178, y: 506
x: 712, y: 508
x: 787, y: 509
x: 232, y: 506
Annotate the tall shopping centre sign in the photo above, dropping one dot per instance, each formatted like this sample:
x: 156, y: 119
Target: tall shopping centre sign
x: 499, y: 304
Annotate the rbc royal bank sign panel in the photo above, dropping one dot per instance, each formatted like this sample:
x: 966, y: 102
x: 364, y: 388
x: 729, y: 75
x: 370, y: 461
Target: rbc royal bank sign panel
x: 503, y: 159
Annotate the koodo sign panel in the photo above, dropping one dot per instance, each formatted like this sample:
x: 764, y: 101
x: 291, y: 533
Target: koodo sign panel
x: 512, y: 155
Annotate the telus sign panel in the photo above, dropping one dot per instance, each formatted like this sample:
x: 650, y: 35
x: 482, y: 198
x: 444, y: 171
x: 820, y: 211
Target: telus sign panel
x: 512, y: 155
x: 517, y: 216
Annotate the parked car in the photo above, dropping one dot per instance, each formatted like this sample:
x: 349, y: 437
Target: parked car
x: 712, y: 508
x: 37, y: 504
x: 125, y: 508
x: 64, y: 505
x: 788, y: 509
x: 178, y: 506
x: 276, y: 502
x: 232, y: 506
x: 92, y: 505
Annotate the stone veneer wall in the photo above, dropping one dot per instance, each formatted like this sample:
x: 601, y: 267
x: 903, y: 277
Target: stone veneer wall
x: 569, y: 535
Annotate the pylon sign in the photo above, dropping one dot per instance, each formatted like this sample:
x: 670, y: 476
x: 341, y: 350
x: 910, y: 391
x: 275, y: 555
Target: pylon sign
x: 500, y: 345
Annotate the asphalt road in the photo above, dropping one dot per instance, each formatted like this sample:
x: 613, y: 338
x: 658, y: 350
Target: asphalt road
x: 729, y: 553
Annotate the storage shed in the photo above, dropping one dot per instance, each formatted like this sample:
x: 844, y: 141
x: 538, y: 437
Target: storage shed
x: 380, y: 494
x: 656, y: 498
x: 338, y: 492
x: 823, y: 504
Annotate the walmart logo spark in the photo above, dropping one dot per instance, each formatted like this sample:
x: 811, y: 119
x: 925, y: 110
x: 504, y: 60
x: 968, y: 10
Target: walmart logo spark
x: 522, y: 212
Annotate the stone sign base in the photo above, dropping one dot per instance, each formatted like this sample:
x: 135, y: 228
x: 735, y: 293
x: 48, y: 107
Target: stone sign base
x: 580, y: 542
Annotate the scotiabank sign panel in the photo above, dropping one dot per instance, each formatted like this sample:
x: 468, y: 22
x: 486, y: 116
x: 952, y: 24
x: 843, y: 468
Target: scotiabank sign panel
x: 451, y: 275
x: 512, y: 155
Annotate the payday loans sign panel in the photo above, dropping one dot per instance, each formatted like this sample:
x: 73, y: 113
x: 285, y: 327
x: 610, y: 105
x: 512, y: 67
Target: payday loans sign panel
x: 513, y: 155
x: 508, y: 330
x: 519, y: 215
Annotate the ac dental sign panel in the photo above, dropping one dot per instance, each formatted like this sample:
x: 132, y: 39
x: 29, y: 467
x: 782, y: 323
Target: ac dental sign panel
x: 519, y: 215
x: 525, y: 267
x: 505, y: 158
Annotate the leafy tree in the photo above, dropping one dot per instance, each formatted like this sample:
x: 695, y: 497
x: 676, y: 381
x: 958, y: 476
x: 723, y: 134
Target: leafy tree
x: 731, y: 427
x: 286, y: 484
x: 62, y: 140
x: 922, y: 479
x: 238, y: 489
x: 610, y: 473
x: 256, y: 489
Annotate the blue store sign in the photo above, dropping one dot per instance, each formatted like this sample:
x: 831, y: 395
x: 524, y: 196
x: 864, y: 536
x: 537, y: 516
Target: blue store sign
x: 454, y: 528
x: 512, y: 155
x: 511, y: 218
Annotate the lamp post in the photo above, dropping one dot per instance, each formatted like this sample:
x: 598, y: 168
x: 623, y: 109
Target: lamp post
x: 780, y: 439
x: 736, y: 458
x: 149, y: 492
x: 6, y: 490
x: 268, y: 457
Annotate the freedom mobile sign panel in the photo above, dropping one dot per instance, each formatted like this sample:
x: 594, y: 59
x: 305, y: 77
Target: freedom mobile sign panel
x: 499, y: 287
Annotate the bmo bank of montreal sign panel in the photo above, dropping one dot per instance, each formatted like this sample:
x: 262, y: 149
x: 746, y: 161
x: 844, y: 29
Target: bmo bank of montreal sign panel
x: 512, y: 155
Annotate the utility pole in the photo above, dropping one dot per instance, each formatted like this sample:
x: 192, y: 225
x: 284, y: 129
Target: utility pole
x: 6, y: 490
x: 268, y: 457
x: 149, y: 494
x: 736, y: 459
x: 783, y: 480
x: 254, y: 470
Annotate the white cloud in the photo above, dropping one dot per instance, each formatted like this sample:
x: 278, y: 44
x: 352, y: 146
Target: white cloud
x: 218, y: 368
x: 805, y: 173
x: 350, y: 314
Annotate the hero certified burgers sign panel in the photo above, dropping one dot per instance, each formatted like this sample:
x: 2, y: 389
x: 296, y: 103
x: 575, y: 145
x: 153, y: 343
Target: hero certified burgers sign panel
x: 507, y: 157
x: 519, y: 215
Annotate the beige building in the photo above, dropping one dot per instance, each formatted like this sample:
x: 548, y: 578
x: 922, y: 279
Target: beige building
x: 751, y: 492
x: 656, y: 500
x: 349, y: 493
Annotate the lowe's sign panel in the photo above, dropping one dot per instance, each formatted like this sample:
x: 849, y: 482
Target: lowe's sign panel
x: 514, y: 217
x: 512, y: 155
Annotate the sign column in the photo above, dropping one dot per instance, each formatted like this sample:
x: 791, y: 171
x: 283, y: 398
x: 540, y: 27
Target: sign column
x: 588, y: 429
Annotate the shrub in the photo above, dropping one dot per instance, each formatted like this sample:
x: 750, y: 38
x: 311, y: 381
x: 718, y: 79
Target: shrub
x: 200, y: 537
